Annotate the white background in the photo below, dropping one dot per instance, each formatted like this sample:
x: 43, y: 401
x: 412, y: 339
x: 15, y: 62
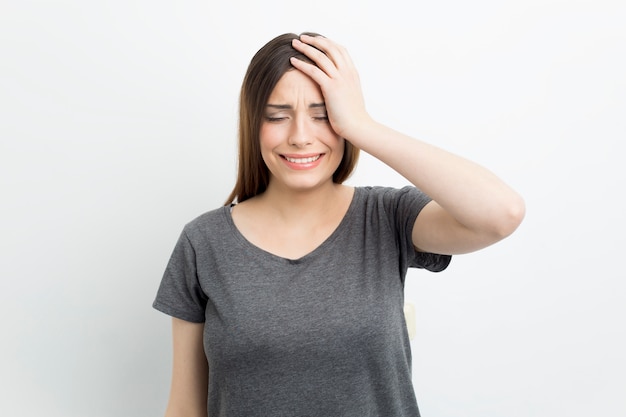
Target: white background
x: 118, y: 125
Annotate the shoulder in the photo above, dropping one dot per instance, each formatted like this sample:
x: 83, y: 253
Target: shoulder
x: 393, y: 195
x: 380, y: 190
x: 211, y: 221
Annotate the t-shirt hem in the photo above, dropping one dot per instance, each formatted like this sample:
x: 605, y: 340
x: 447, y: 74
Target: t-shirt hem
x: 171, y: 311
x: 433, y: 262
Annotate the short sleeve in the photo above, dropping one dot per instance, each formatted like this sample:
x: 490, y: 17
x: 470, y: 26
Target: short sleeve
x: 180, y: 294
x: 405, y: 204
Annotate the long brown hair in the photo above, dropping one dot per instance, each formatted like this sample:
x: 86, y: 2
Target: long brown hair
x: 266, y: 68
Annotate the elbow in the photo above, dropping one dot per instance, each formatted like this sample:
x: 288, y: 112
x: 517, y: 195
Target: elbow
x: 511, y: 215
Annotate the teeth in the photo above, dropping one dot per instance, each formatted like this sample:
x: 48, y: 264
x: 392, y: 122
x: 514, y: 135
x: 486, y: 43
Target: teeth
x: 303, y: 160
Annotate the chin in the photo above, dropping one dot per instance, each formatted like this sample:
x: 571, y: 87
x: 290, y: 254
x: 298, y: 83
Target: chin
x: 307, y: 185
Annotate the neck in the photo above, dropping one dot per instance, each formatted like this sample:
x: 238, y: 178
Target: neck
x: 296, y: 204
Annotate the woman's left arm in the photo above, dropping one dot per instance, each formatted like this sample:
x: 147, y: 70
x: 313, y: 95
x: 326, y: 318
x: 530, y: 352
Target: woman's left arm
x: 471, y: 208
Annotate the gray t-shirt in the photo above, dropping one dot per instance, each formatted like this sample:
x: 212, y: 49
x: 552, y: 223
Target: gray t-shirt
x: 323, y: 335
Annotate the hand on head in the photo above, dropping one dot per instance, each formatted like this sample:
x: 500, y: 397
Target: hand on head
x: 338, y: 79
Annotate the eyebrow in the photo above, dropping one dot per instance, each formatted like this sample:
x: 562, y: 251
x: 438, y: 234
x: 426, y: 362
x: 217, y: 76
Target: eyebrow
x: 290, y: 107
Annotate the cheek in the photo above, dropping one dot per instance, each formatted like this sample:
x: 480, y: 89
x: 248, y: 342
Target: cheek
x: 264, y: 134
x: 269, y: 137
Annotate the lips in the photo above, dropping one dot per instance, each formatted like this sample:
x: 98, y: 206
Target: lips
x: 303, y: 162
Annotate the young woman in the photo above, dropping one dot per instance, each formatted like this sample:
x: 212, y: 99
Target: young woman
x: 288, y: 301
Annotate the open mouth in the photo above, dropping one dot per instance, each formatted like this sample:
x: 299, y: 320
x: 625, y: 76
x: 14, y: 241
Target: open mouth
x: 306, y: 160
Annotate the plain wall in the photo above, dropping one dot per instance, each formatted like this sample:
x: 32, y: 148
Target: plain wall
x: 118, y: 125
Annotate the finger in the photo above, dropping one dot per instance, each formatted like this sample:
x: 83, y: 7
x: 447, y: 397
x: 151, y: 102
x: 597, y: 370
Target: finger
x: 337, y: 53
x: 323, y: 61
x: 314, y: 72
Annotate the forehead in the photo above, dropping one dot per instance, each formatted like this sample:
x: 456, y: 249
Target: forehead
x: 295, y: 86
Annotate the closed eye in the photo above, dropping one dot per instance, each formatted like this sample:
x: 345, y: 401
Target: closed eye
x: 274, y: 119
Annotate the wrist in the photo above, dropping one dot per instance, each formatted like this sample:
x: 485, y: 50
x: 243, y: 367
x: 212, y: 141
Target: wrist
x: 359, y: 130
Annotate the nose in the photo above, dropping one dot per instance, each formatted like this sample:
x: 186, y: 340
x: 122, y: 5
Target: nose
x: 300, y: 134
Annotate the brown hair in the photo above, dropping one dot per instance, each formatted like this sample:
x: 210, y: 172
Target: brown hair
x: 266, y: 68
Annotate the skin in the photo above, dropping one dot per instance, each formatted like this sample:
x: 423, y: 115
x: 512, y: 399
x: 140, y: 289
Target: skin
x: 296, y: 125
x: 471, y: 207
x: 188, y: 390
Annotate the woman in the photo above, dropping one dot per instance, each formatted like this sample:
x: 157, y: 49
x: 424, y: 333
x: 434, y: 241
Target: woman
x: 289, y: 301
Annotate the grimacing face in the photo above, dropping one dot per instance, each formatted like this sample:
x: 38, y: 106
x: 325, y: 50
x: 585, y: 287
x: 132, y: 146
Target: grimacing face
x: 297, y: 142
